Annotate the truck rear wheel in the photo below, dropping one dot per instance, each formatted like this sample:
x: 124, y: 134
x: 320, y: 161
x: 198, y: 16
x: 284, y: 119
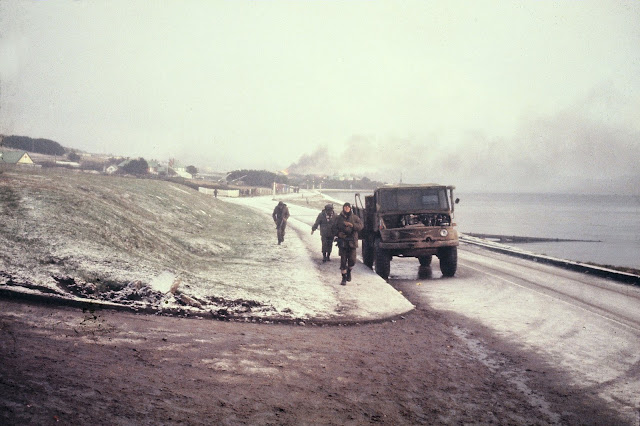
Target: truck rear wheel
x: 382, y: 259
x: 448, y: 260
x: 425, y: 260
x: 367, y: 251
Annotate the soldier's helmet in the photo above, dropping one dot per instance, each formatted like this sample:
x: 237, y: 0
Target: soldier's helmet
x: 328, y: 207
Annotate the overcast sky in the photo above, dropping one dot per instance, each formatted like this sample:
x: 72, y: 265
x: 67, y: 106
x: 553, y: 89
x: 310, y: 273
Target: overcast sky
x: 486, y: 95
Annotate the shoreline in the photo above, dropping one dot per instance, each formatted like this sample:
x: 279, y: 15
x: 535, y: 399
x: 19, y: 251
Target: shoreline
x: 620, y: 274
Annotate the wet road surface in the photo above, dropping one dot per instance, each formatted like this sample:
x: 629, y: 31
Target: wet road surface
x: 586, y: 326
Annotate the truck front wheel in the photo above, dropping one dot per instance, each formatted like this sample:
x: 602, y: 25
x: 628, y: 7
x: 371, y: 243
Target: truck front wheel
x: 382, y: 259
x: 448, y: 260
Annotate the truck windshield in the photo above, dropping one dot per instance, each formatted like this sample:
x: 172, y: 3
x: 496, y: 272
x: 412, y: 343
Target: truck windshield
x: 413, y: 199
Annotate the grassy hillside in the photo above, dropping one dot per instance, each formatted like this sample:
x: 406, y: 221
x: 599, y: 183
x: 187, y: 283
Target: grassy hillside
x: 129, y: 240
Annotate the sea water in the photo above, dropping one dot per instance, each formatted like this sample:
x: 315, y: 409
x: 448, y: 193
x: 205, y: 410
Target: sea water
x: 611, y: 222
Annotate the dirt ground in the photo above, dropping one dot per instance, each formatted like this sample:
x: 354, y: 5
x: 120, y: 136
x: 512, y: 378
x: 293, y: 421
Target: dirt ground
x: 68, y: 366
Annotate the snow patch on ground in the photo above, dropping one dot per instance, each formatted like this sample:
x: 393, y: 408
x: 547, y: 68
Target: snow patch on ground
x: 163, y: 282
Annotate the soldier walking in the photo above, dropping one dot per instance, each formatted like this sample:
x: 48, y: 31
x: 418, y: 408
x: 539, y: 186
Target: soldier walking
x: 325, y: 221
x: 280, y: 216
x: 347, y: 226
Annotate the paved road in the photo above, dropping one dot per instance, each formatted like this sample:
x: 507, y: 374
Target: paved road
x: 584, y: 326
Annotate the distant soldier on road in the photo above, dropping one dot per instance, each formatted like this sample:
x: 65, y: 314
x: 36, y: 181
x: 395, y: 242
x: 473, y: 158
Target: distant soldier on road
x: 325, y: 221
x: 346, y: 227
x: 280, y: 216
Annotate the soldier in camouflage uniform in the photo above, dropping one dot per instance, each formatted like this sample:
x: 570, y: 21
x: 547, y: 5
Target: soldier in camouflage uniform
x: 280, y: 216
x: 325, y: 221
x: 346, y: 227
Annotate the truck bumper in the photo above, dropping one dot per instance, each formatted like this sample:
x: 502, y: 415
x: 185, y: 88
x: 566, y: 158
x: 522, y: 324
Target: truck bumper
x: 417, y: 248
x: 418, y: 237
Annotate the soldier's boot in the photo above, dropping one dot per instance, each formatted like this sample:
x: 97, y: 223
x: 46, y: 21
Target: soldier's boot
x: 324, y: 257
x: 328, y: 260
x: 344, y: 279
x: 348, y: 274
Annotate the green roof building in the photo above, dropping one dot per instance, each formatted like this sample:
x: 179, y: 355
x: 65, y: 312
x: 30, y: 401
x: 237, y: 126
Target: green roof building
x: 15, y: 157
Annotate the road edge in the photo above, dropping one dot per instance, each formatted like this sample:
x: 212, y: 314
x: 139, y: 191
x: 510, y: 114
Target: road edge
x: 599, y: 271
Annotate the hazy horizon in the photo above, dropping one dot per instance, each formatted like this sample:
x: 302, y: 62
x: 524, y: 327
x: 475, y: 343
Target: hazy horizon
x: 491, y: 97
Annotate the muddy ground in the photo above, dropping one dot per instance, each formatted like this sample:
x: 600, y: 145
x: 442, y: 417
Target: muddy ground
x: 68, y: 366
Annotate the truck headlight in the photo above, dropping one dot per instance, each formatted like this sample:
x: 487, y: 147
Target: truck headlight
x: 444, y: 232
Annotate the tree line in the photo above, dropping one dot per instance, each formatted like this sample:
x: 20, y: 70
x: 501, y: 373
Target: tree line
x: 40, y: 145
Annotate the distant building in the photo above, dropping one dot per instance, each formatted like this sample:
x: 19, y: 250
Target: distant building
x: 15, y: 157
x: 154, y: 167
x: 157, y: 168
x: 183, y: 174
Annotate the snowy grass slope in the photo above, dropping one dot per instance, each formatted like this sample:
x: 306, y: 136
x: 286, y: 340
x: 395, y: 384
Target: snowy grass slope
x: 128, y: 240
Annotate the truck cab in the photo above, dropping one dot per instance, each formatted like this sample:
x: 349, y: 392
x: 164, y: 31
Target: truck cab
x: 409, y: 221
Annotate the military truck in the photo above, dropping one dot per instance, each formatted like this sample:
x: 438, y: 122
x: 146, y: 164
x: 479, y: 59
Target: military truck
x: 408, y: 221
